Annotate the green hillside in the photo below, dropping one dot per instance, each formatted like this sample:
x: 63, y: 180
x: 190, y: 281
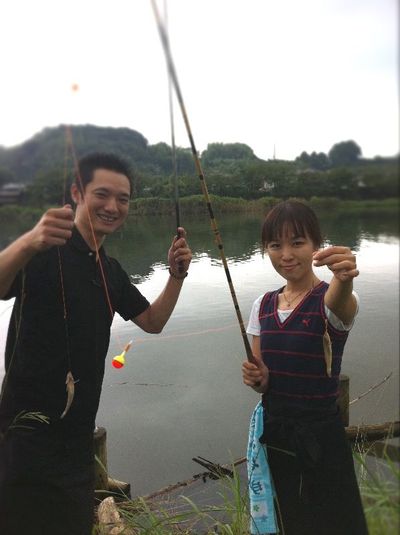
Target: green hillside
x: 43, y: 163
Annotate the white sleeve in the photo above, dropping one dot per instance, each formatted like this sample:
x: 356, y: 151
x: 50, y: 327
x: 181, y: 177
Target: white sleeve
x: 253, y: 327
x: 336, y: 322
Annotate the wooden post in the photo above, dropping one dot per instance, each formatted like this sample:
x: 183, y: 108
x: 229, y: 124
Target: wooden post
x: 100, y: 464
x: 344, y: 398
x: 101, y: 479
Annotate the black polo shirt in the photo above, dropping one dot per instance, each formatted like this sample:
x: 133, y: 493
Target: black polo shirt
x: 42, y: 345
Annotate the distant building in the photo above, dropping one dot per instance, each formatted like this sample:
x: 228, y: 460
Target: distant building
x: 12, y: 193
x: 267, y: 186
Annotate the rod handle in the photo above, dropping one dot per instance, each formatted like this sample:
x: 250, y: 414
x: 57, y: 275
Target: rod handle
x: 249, y: 352
x: 181, y: 269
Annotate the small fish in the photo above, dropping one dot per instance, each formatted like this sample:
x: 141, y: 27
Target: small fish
x: 327, y: 350
x: 70, y: 382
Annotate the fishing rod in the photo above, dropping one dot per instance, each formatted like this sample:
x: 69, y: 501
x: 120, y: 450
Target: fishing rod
x: 174, y: 79
x: 174, y: 163
x: 173, y: 146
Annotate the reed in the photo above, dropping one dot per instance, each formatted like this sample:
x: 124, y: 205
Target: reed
x: 379, y: 481
x: 184, y: 516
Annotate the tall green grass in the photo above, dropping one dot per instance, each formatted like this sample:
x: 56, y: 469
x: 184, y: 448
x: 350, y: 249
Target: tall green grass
x: 379, y: 480
x: 380, y: 495
x: 183, y: 516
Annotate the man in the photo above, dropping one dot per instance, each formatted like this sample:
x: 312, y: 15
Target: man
x: 66, y: 290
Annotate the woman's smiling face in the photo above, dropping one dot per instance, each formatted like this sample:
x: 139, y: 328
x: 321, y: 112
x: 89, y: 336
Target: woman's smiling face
x: 291, y: 255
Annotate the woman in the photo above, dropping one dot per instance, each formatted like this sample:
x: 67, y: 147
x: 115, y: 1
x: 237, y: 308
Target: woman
x: 299, y: 333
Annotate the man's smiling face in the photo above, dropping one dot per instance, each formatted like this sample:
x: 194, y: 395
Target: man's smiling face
x: 105, y: 204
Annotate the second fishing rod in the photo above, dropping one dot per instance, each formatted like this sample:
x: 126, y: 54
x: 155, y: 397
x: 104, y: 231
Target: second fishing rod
x: 174, y: 80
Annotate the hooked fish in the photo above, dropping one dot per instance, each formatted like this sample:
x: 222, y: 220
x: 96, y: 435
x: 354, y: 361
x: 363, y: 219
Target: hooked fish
x: 327, y: 350
x: 70, y: 382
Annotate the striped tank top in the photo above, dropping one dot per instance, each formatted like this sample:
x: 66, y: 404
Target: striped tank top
x: 293, y: 350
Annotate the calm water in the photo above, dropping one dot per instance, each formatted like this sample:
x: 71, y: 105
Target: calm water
x: 180, y: 393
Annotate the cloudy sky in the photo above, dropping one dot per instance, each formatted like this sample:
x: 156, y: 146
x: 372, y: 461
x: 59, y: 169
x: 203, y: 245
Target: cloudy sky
x: 294, y: 75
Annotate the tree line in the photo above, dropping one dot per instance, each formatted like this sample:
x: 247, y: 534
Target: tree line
x: 231, y: 169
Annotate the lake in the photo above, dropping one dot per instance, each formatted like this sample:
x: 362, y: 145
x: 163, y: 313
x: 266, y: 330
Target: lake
x: 180, y: 394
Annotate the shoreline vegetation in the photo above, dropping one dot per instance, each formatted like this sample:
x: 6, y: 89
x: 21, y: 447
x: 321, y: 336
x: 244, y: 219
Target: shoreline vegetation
x: 38, y: 171
x: 194, y: 204
x: 229, y: 514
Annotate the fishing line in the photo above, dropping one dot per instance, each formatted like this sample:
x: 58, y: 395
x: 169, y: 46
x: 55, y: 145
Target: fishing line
x: 18, y: 321
x: 185, y: 334
x: 82, y: 189
x: 174, y: 80
x: 173, y: 147
x: 6, y: 309
x: 371, y: 388
x: 75, y: 161
x: 60, y: 266
x: 147, y: 384
x: 374, y: 409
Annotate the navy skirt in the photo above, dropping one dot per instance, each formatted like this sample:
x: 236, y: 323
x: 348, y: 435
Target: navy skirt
x: 313, y: 473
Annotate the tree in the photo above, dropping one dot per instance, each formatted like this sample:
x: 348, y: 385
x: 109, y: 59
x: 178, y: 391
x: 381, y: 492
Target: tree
x: 216, y: 152
x: 343, y: 183
x: 253, y: 175
x: 48, y: 188
x: 344, y: 153
x: 312, y: 184
x: 281, y: 178
x: 304, y: 158
x: 319, y: 161
x: 379, y: 182
x: 160, y: 155
x: 6, y: 176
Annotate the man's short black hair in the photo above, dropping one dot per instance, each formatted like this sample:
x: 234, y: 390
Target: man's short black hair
x: 89, y: 163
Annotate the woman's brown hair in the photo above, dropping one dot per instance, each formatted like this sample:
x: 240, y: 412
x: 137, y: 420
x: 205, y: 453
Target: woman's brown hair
x: 294, y: 216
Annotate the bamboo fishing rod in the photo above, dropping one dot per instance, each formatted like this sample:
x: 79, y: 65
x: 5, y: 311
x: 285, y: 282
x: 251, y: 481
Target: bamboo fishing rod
x: 173, y: 147
x: 174, y: 79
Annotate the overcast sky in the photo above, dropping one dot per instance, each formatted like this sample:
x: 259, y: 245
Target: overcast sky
x: 290, y: 74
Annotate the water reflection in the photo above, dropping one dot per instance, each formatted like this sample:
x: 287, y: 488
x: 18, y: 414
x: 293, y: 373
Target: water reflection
x: 351, y: 229
x: 143, y: 242
x: 188, y: 377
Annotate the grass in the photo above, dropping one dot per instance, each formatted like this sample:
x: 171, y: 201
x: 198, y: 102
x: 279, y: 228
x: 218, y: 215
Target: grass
x: 27, y: 216
x: 23, y: 420
x: 379, y: 480
x: 195, y: 204
x: 379, y: 486
x: 180, y: 515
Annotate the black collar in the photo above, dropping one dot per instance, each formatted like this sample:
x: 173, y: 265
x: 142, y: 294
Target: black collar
x: 80, y: 244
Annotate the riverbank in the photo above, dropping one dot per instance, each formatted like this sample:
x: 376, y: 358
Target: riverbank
x: 196, y: 204
x: 218, y: 500
x: 26, y: 216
